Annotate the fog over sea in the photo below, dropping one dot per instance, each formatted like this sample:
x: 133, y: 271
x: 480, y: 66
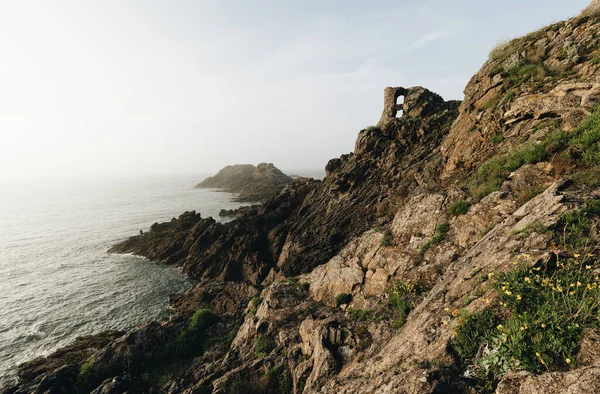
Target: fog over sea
x: 57, y: 280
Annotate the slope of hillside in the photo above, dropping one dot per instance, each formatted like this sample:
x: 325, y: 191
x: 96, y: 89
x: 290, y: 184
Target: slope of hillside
x: 455, y: 251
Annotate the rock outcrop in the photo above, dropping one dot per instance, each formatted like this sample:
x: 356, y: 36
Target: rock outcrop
x: 364, y: 281
x: 250, y: 183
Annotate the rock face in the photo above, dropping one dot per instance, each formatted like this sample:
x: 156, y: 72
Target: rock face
x: 302, y: 285
x: 251, y: 183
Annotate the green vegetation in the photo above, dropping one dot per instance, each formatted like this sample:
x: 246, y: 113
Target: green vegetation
x: 576, y: 226
x: 470, y: 333
x: 387, y: 239
x: 190, y: 341
x: 459, y: 208
x: 491, y: 174
x: 342, y: 298
x: 263, y: 346
x: 277, y: 380
x: 86, y: 372
x: 499, y: 50
x: 255, y: 301
x: 399, y: 299
x: 496, y: 139
x: 536, y: 324
x: 534, y: 227
x: 581, y: 147
x: 361, y: 314
x: 440, y: 233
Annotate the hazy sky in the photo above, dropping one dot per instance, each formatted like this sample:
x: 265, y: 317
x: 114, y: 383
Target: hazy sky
x: 104, y: 88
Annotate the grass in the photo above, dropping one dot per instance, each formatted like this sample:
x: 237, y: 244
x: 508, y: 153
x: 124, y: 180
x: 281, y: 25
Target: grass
x: 496, y: 139
x: 576, y: 226
x: 440, y: 233
x: 581, y: 146
x: 342, y: 298
x: 459, y: 208
x: 491, y: 174
x: 87, y: 373
x: 387, y: 239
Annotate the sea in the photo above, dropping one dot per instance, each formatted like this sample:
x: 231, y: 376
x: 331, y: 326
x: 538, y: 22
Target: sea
x: 57, y: 280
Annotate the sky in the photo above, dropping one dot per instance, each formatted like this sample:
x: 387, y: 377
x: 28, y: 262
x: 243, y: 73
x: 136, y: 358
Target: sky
x: 116, y: 88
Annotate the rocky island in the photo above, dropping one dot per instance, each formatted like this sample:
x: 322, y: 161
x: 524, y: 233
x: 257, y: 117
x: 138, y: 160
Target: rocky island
x: 250, y: 183
x: 454, y: 251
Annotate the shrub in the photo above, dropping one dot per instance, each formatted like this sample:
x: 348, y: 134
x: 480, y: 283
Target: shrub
x: 473, y: 330
x: 360, y: 314
x: 496, y: 139
x: 342, y: 298
x: 387, y: 238
x: 255, y: 302
x: 548, y: 307
x: 440, y: 233
x: 190, y: 341
x: 263, y: 346
x: 398, y: 299
x: 459, y: 208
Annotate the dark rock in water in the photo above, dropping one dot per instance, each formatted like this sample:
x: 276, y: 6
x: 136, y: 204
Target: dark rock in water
x: 251, y: 183
x: 77, y: 352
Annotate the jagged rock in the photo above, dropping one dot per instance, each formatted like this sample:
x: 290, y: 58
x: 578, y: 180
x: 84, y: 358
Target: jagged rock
x: 558, y: 93
x: 116, y: 385
x: 581, y: 381
x: 371, y: 222
x: 218, y: 296
x: 251, y: 183
x: 73, y: 354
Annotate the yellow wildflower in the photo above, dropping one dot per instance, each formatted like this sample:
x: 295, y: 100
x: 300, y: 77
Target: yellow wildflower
x: 526, y: 279
x: 588, y: 267
x: 543, y: 325
x: 445, y: 322
x: 508, y: 292
x: 537, y: 354
x: 455, y: 312
x: 578, y: 283
x: 568, y: 360
x: 577, y: 255
x: 500, y: 327
x: 447, y: 309
x: 490, y: 275
x: 518, y: 297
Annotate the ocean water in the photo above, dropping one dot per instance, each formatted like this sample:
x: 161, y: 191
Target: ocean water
x: 57, y: 280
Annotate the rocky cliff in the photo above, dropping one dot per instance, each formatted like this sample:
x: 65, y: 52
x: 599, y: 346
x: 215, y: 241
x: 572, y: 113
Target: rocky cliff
x: 251, y: 183
x: 455, y: 251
